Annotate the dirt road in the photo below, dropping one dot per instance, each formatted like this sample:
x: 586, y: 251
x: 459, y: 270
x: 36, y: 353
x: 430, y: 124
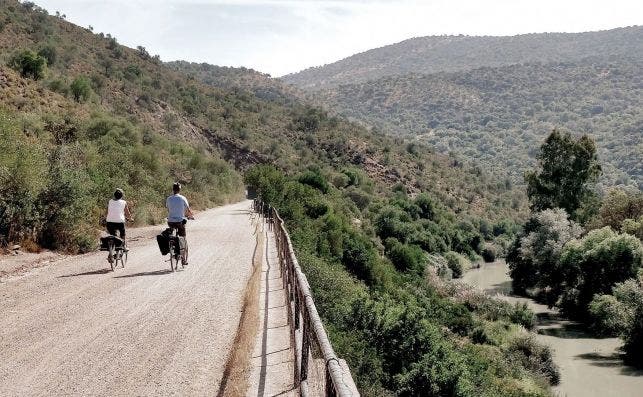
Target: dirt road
x: 589, y: 366
x: 74, y: 328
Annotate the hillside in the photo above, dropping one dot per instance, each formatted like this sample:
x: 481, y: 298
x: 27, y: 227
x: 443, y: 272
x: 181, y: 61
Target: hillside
x: 498, y: 116
x: 426, y: 55
x: 494, y: 99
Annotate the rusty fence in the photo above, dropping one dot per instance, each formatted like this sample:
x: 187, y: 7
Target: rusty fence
x: 317, y: 370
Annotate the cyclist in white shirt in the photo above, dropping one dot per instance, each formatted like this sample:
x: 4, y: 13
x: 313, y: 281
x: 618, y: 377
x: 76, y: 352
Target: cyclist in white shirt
x: 117, y: 213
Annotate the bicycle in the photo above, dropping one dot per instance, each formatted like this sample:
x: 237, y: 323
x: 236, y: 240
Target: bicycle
x: 116, y: 249
x: 178, y: 249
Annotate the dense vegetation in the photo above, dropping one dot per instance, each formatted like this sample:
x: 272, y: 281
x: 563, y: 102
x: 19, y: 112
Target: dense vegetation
x: 433, y: 54
x: 378, y: 269
x: 592, y: 273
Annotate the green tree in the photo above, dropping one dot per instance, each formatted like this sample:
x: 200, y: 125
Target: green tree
x: 533, y: 257
x: 568, y: 169
x: 29, y: 64
x: 81, y: 88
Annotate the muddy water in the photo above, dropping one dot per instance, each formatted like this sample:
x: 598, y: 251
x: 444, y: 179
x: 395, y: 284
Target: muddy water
x: 589, y: 366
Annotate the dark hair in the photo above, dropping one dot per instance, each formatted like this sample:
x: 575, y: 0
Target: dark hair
x: 176, y: 187
x: 118, y: 194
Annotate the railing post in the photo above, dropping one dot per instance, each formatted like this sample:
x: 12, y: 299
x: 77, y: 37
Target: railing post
x: 305, y: 348
x: 330, y: 390
x: 297, y: 305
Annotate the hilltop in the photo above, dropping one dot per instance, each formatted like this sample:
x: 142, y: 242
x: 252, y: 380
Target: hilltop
x: 433, y: 54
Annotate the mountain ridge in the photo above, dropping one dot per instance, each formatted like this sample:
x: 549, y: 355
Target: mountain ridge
x: 458, y: 53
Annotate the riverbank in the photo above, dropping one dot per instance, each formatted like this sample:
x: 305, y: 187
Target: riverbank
x: 589, y: 366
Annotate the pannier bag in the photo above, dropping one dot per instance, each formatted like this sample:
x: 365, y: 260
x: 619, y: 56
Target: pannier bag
x: 163, y: 241
x: 104, y: 242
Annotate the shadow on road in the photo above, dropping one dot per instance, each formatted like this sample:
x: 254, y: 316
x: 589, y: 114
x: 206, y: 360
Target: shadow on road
x: 566, y: 330
x: 612, y: 360
x: 140, y: 274
x: 101, y: 271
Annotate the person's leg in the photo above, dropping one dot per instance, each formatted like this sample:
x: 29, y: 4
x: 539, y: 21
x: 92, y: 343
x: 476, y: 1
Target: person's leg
x: 111, y: 228
x: 121, y: 233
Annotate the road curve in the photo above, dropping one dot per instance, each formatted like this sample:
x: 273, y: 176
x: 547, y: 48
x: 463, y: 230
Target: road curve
x: 74, y: 328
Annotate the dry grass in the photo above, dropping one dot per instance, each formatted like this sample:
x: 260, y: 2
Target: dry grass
x: 28, y: 245
x: 237, y: 369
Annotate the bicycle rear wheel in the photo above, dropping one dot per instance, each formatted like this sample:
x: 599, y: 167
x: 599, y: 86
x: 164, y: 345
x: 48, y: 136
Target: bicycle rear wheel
x: 173, y: 259
x: 111, y: 257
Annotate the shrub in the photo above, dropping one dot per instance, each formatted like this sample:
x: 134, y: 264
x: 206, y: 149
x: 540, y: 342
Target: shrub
x: 523, y: 315
x: 596, y: 263
x: 535, y: 357
x: 80, y: 89
x: 357, y: 196
x: 405, y: 257
x: 457, y: 263
x: 314, y: 179
x: 49, y: 53
x: 633, y: 227
x: 309, y: 119
x: 29, y: 64
x: 359, y: 257
x: 427, y: 206
x: 59, y: 86
x: 489, y: 253
x: 533, y: 257
x: 609, y: 317
x: 392, y: 222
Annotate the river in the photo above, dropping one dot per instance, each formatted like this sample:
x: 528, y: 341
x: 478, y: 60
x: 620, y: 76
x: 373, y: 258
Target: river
x: 589, y: 366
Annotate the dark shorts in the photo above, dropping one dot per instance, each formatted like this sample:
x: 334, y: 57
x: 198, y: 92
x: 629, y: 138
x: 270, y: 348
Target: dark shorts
x: 113, y: 227
x: 180, y: 226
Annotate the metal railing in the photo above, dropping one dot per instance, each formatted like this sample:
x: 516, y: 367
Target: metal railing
x: 307, y: 330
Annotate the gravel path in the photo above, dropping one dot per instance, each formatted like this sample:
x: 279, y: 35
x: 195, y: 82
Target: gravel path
x: 75, y: 328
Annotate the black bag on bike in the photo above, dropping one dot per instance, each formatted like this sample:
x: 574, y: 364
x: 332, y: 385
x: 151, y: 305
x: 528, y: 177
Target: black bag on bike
x: 104, y: 242
x: 163, y: 241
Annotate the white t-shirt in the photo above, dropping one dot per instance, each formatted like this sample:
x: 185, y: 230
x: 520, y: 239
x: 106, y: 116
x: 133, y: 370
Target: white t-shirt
x: 116, y: 211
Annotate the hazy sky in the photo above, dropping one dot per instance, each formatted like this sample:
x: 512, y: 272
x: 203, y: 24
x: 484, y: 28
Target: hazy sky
x: 284, y: 36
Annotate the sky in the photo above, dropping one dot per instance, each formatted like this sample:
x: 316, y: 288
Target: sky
x: 285, y: 36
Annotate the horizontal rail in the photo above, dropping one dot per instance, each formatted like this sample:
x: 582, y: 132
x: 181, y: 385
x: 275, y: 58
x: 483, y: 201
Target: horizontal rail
x: 304, y: 318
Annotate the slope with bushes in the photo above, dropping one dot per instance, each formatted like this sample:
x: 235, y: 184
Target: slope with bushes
x: 497, y: 116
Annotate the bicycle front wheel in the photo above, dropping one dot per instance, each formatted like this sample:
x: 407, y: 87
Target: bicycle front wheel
x: 123, y: 258
x: 184, y: 255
